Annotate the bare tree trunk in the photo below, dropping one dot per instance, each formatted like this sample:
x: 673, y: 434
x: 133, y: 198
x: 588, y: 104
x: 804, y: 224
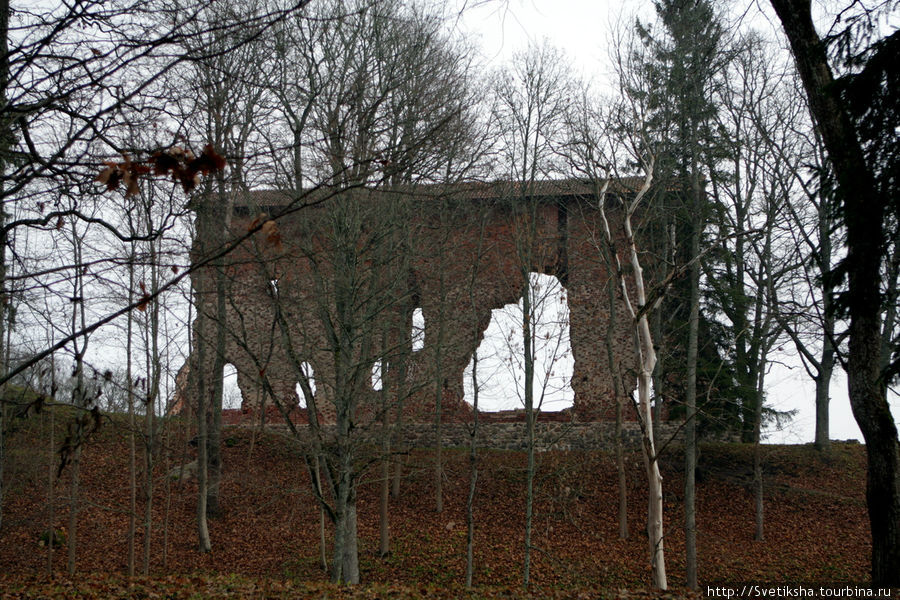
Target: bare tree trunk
x: 132, y: 488
x: 345, y: 568
x: 51, y: 490
x: 528, y: 345
x: 79, y: 399
x: 618, y: 398
x: 646, y: 360
x: 384, y: 537
x: 148, y: 455
x: 154, y: 372
x: 620, y: 470
x: 132, y: 451
x: 863, y: 209
x: 826, y: 362
x: 340, y: 536
x: 202, y: 527
x: 72, y: 539
x: 148, y: 485
x: 438, y: 455
x: 167, y: 466
x: 690, y: 514
x: 658, y: 371
x: 438, y: 408
x: 202, y: 485
x: 351, y: 550
x: 402, y: 391
x: 823, y: 400
x: 473, y: 477
x: 529, y: 497
x: 220, y: 224
x: 655, y: 511
x: 690, y: 395
x: 323, y: 557
x: 2, y: 438
x: 2, y: 442
x: 346, y: 559
x: 757, y: 454
x: 212, y: 223
x: 398, y: 463
x: 6, y: 135
x: 215, y: 430
x: 758, y: 491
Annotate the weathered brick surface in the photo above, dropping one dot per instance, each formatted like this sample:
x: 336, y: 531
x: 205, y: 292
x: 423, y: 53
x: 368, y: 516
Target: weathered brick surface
x: 456, y: 257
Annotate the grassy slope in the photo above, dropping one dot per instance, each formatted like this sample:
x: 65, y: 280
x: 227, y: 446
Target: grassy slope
x: 816, y: 524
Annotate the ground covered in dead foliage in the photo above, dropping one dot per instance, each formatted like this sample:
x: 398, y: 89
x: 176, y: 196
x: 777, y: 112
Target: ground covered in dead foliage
x: 266, y: 543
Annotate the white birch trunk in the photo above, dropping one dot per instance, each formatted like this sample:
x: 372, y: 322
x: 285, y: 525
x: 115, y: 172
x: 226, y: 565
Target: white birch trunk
x: 646, y: 360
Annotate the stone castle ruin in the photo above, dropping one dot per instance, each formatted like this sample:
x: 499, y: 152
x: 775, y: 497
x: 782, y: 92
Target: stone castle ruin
x: 327, y: 291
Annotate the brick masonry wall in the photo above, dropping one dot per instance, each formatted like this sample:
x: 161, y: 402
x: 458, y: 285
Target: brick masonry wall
x: 459, y: 260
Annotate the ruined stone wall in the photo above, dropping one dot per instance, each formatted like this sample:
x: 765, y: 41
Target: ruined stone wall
x: 456, y: 257
x: 552, y: 435
x: 548, y: 436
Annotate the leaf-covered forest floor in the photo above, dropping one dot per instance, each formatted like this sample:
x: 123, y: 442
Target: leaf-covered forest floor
x: 266, y: 542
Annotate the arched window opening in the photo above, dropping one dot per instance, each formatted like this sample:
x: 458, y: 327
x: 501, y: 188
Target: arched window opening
x: 501, y: 354
x: 231, y: 393
x: 307, y: 371
x: 418, y: 329
x: 377, y: 380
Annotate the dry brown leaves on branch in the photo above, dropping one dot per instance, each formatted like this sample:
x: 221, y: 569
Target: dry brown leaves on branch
x: 183, y: 165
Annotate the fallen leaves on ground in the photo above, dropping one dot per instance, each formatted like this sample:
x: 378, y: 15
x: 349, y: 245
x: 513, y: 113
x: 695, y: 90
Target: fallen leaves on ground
x: 89, y: 587
x: 816, y: 522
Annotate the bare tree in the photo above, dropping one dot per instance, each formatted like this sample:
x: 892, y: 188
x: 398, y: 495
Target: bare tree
x: 530, y: 103
x: 132, y: 452
x: 858, y: 129
x: 387, y: 101
x: 67, y: 91
x: 593, y: 153
x: 70, y: 77
x: 224, y: 93
x: 804, y: 304
x: 647, y: 358
x: 750, y: 196
x: 473, y: 431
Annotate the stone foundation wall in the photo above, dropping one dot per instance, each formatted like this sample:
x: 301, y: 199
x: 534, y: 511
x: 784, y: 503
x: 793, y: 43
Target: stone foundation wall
x: 511, y: 436
x: 548, y: 436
